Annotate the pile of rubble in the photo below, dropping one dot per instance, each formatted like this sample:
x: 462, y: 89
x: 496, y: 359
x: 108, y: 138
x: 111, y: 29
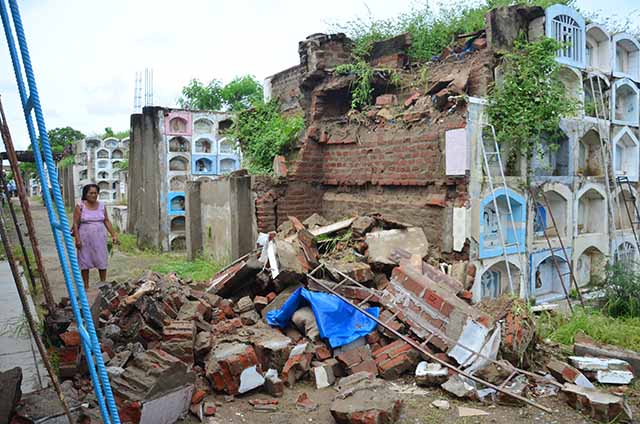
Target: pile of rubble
x: 171, y: 345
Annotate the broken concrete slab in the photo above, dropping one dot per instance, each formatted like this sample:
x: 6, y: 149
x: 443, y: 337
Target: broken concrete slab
x: 379, y: 405
x: 362, y: 225
x: 458, y: 386
x: 586, y: 346
x: 250, y: 379
x: 600, y: 406
x: 314, y: 221
x: 10, y: 392
x: 471, y: 412
x: 431, y: 374
x: 383, y: 243
x: 155, y: 386
x: 614, y: 377
x: 587, y: 363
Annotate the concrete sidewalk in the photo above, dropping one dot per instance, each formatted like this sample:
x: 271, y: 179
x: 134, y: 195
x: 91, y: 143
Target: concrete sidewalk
x: 17, y: 348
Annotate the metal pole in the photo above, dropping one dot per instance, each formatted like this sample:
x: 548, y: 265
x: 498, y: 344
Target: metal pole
x: 26, y: 210
x: 14, y: 217
x: 30, y: 319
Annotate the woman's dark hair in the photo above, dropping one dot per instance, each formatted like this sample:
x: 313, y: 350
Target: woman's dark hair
x: 88, y: 187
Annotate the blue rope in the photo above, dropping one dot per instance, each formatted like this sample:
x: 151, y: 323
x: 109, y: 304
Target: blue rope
x: 48, y: 174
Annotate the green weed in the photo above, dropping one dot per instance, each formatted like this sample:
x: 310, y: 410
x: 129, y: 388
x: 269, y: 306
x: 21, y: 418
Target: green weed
x: 623, y: 332
x: 201, y: 269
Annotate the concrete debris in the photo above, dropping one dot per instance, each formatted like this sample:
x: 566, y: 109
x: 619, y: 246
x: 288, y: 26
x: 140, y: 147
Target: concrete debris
x: 586, y: 346
x: 604, y: 370
x: 565, y: 373
x: 458, y: 386
x: 373, y: 404
x: 600, y: 406
x: 383, y: 243
x: 323, y: 376
x: 170, y: 345
x: 10, y: 393
x: 441, y: 404
x: 471, y: 412
x: 431, y: 374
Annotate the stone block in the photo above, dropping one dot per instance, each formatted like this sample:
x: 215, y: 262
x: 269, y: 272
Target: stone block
x: 10, y: 392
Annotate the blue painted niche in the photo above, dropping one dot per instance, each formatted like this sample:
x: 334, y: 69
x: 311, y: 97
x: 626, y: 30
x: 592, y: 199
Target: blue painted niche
x: 490, y: 245
x: 543, y: 276
x: 204, y: 165
x: 176, y: 203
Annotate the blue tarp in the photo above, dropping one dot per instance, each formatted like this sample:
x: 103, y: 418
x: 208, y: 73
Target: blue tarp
x: 338, y: 322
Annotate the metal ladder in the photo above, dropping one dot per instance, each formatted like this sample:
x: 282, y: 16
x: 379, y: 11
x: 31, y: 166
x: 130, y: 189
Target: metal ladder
x: 605, y: 148
x: 48, y: 174
x: 495, y: 153
x: 378, y: 297
x: 625, y: 180
x: 571, y: 275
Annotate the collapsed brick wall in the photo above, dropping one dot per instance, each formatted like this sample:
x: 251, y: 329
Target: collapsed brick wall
x: 389, y: 158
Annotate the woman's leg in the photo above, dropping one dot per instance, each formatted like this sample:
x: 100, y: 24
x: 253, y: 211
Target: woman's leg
x: 103, y: 275
x: 85, y: 277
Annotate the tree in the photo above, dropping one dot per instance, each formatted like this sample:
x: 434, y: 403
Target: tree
x: 239, y: 94
x: 197, y: 96
x: 59, y: 139
x: 242, y: 93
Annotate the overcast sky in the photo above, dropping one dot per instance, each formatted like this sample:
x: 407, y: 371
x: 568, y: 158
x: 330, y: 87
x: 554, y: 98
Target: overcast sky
x: 86, y: 52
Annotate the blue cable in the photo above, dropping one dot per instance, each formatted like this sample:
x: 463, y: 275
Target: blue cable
x: 48, y: 174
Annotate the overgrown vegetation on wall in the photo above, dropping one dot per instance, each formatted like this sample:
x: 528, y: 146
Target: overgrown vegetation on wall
x: 263, y: 134
x: 431, y: 28
x: 527, y: 106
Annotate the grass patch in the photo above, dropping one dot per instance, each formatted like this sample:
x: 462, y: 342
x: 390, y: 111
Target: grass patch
x: 200, y: 269
x: 623, y: 332
x: 128, y: 243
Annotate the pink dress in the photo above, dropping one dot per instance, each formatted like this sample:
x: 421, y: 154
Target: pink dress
x: 93, y: 234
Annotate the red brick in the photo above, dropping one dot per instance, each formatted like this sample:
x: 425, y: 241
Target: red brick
x: 386, y: 100
x: 433, y: 300
x: 368, y: 365
x: 271, y: 296
x: 373, y: 337
x: 322, y: 352
x: 198, y: 396
x: 70, y: 338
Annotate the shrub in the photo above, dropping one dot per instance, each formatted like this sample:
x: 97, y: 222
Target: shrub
x: 621, y: 287
x: 263, y: 134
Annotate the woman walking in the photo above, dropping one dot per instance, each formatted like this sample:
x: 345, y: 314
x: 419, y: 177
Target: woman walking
x: 89, y: 222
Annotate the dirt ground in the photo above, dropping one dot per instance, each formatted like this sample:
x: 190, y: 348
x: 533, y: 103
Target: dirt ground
x: 417, y: 409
